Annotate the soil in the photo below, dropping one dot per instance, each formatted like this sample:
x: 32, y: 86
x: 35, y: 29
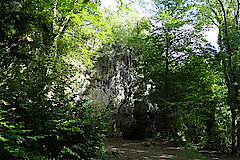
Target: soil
x: 166, y: 150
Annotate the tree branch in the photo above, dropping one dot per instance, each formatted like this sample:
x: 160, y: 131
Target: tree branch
x: 215, y: 23
x: 61, y: 29
x: 58, y: 30
x: 237, y: 14
x: 216, y: 15
x: 226, y: 31
x: 54, y: 22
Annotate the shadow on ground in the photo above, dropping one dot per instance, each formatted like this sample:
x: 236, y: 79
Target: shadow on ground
x: 165, y: 150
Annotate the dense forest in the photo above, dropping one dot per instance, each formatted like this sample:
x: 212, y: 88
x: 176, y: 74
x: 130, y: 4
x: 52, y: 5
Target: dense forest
x: 50, y: 51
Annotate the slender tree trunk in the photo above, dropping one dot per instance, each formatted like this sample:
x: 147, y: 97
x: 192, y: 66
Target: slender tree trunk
x: 210, y: 123
x: 238, y: 134
x: 167, y: 63
x: 232, y: 101
x: 166, y: 83
x: 230, y: 76
x: 234, y: 138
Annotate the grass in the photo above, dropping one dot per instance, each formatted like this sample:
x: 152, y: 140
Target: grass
x: 192, y: 153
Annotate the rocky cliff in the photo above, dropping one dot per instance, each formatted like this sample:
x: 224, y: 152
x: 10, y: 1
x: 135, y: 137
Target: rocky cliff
x: 115, y: 83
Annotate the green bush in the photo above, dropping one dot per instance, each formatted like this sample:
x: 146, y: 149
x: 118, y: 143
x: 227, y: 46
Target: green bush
x: 35, y: 126
x: 70, y: 132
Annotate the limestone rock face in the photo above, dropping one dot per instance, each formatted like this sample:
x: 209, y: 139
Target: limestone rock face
x: 114, y: 84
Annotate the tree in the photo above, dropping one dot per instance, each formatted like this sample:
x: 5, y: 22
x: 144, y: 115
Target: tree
x: 173, y: 36
x: 171, y: 42
x: 225, y: 15
x: 39, y: 118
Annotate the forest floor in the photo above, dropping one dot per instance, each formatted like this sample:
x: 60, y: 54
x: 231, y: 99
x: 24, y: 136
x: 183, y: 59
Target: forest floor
x: 166, y: 150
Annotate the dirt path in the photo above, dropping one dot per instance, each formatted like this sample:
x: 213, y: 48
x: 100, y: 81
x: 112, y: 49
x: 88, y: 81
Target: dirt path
x: 137, y: 150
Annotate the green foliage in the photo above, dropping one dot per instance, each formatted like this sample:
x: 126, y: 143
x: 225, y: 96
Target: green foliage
x: 224, y: 14
x: 125, y: 24
x: 39, y: 120
x: 193, y: 154
x: 41, y: 115
x: 182, y: 68
x: 175, y: 54
x: 45, y: 46
x: 85, y: 35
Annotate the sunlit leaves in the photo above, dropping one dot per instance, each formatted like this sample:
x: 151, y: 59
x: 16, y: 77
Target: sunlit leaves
x: 39, y: 38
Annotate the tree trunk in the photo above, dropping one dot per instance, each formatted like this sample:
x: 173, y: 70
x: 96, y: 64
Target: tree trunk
x: 210, y: 124
x: 230, y: 75
x: 234, y: 138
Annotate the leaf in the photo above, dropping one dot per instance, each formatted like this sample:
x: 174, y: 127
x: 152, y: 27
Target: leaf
x: 3, y: 139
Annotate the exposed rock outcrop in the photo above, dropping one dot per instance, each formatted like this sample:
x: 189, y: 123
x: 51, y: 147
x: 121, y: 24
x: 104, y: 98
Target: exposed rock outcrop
x: 115, y: 83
